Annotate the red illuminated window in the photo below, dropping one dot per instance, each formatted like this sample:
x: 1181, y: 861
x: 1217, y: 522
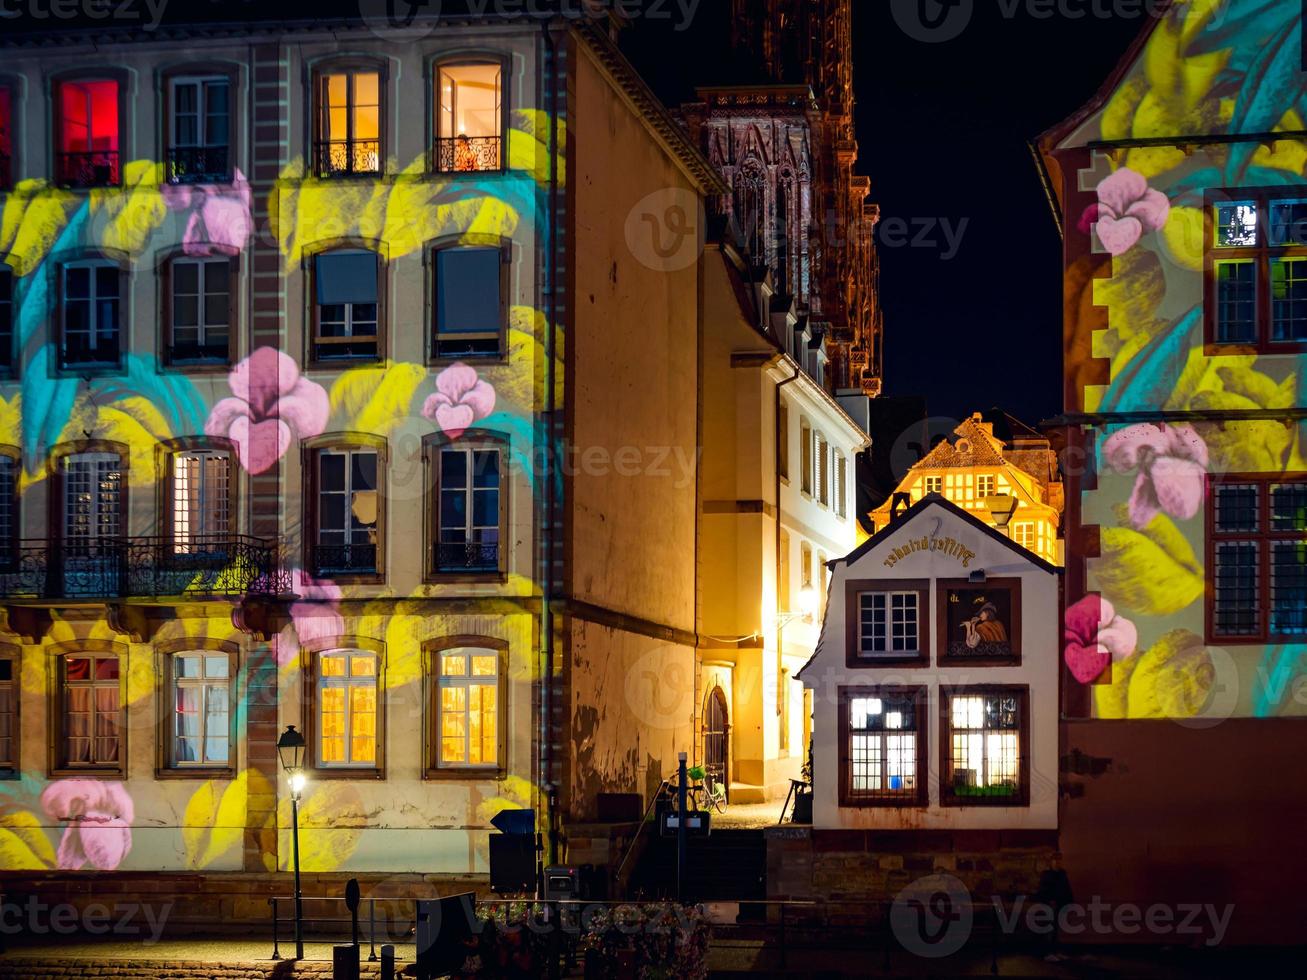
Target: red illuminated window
x: 6, y: 137
x: 88, y: 136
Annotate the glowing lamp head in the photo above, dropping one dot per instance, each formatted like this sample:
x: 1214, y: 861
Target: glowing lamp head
x: 290, y: 750
x: 297, y: 781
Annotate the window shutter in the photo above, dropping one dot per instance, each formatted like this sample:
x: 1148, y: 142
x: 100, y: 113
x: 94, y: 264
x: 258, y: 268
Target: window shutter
x: 346, y: 277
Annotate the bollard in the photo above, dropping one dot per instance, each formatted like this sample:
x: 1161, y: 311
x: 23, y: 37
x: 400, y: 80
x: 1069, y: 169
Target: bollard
x: 345, y: 962
x: 387, y: 962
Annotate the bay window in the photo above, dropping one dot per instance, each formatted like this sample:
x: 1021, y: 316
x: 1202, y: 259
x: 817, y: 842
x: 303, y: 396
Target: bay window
x: 883, y: 759
x: 469, y: 120
x: 87, y: 133
x: 986, y: 746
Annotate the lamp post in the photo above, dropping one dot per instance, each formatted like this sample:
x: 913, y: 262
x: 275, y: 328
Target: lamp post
x: 290, y: 750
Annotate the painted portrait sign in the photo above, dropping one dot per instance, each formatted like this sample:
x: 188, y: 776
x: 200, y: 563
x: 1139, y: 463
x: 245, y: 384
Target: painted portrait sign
x: 980, y: 622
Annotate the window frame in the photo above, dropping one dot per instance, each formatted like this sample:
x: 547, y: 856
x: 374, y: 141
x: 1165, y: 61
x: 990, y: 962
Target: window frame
x: 192, y: 73
x: 80, y: 75
x: 1263, y: 536
x: 92, y: 261
x: 927, y: 482
x: 1260, y: 254
x: 840, y: 485
x: 431, y: 256
x: 9, y: 151
x: 9, y: 549
x: 920, y: 695
x: 8, y: 300
x: 316, y: 92
x: 313, y: 334
x: 806, y: 455
x: 457, y: 60
x: 57, y: 708
x: 432, y: 768
x: 14, y: 656
x: 432, y: 448
x: 853, y: 590
x: 166, y: 766
x: 783, y: 442
x: 343, y: 443
x: 1012, y: 585
x: 167, y: 281
x: 57, y: 511
x: 310, y: 669
x: 168, y: 451
x: 947, y: 797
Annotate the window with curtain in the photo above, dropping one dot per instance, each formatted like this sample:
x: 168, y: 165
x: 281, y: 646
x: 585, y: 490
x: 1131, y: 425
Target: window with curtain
x: 8, y: 715
x: 92, y: 314
x: 87, y: 142
x: 347, y: 512
x: 92, y: 711
x: 347, y: 708
x: 469, y: 302
x: 201, y: 310
x: 199, y: 132
x: 348, y: 136
x: 201, y: 709
x: 469, y: 515
x: 201, y: 501
x: 468, y: 708
x: 470, y: 118
x: 346, y: 283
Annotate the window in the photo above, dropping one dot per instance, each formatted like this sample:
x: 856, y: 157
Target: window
x: 201, y: 304
x: 883, y: 758
x: 886, y: 622
x: 6, y: 317
x: 934, y: 484
x: 346, y: 314
x: 469, y: 515
x: 87, y: 135
x: 841, y: 485
x: 783, y: 574
x: 6, y: 137
x: 985, y: 747
x: 348, y: 506
x: 1023, y: 533
x: 821, y: 479
x: 201, y: 729
x: 470, y: 118
x: 93, y: 508
x: 347, y: 709
x: 1257, y: 541
x: 92, y: 712
x: 8, y: 714
x: 201, y: 501
x: 469, y: 709
x: 783, y: 442
x: 805, y: 457
x: 805, y: 566
x: 9, y: 524
x: 1257, y: 269
x: 92, y: 315
x: 470, y: 303
x: 821, y: 574
x: 985, y: 485
x: 348, y: 133
x: 199, y: 132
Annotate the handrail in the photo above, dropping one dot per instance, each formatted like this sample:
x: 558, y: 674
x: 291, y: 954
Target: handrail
x: 644, y: 819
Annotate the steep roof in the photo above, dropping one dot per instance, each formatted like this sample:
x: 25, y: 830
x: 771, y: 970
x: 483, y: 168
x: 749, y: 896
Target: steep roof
x: 975, y: 446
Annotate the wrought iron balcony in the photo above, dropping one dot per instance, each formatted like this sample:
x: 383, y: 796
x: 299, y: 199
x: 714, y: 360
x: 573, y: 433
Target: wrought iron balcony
x: 199, y: 165
x: 467, y: 154
x: 97, y: 169
x: 343, y: 559
x: 341, y: 158
x: 226, y: 566
x: 450, y: 559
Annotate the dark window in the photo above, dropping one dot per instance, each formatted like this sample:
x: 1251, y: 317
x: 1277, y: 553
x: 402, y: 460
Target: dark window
x: 92, y: 314
x: 469, y: 136
x: 201, y: 310
x: 6, y: 317
x: 87, y: 144
x: 199, y: 149
x: 985, y: 747
x: 469, y: 513
x: 1257, y: 537
x: 6, y: 137
x: 348, y: 503
x: 469, y: 302
x: 1257, y: 270
x: 348, y: 136
x: 347, y: 306
x: 8, y: 509
x: 8, y: 715
x: 883, y: 758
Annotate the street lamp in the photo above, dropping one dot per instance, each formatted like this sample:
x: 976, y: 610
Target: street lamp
x: 1002, y: 508
x: 290, y: 750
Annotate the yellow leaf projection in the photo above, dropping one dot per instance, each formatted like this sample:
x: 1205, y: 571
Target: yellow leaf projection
x: 24, y: 845
x: 1154, y: 571
x: 375, y: 400
x: 214, y: 820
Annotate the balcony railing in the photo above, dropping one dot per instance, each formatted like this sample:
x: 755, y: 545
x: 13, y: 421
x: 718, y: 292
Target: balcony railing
x: 199, y: 165
x: 459, y: 154
x: 215, y: 566
x: 340, y: 158
x: 97, y: 169
x: 344, y: 559
x: 455, y: 558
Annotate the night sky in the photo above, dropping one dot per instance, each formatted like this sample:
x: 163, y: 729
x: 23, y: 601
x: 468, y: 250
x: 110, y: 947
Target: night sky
x: 943, y: 130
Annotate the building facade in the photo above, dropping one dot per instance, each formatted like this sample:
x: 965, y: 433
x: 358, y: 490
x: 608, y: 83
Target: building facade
x: 1185, y: 568
x: 312, y: 416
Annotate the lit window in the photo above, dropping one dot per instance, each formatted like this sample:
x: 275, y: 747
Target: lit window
x: 805, y: 572
x: 92, y: 316
x: 467, y: 716
x: 347, y: 708
x: 88, y: 134
x: 469, y: 302
x: 934, y: 484
x: 201, y: 310
x: 8, y: 715
x: 199, y: 148
x: 470, y: 118
x: 201, y: 508
x: 92, y: 501
x: 469, y: 517
x: 1023, y: 533
x: 348, y: 139
x: 347, y: 308
x: 889, y: 624
x: 348, y: 506
x: 984, y: 486
x: 884, y: 731
x: 1257, y: 278
x: 202, y: 706
x: 92, y: 711
x: 985, y: 739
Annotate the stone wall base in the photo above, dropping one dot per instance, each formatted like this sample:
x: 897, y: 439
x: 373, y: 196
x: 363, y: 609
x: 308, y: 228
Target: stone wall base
x: 20, y: 968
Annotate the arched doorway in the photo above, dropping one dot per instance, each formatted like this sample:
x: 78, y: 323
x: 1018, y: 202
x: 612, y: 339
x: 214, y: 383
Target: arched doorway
x: 716, y: 738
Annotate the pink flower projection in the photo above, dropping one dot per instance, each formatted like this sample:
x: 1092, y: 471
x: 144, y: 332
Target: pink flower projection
x: 219, y: 220
x: 1096, y: 636
x: 99, y: 817
x: 317, y: 614
x: 460, y: 400
x: 1126, y: 208
x: 1172, y: 465
x: 272, y: 405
